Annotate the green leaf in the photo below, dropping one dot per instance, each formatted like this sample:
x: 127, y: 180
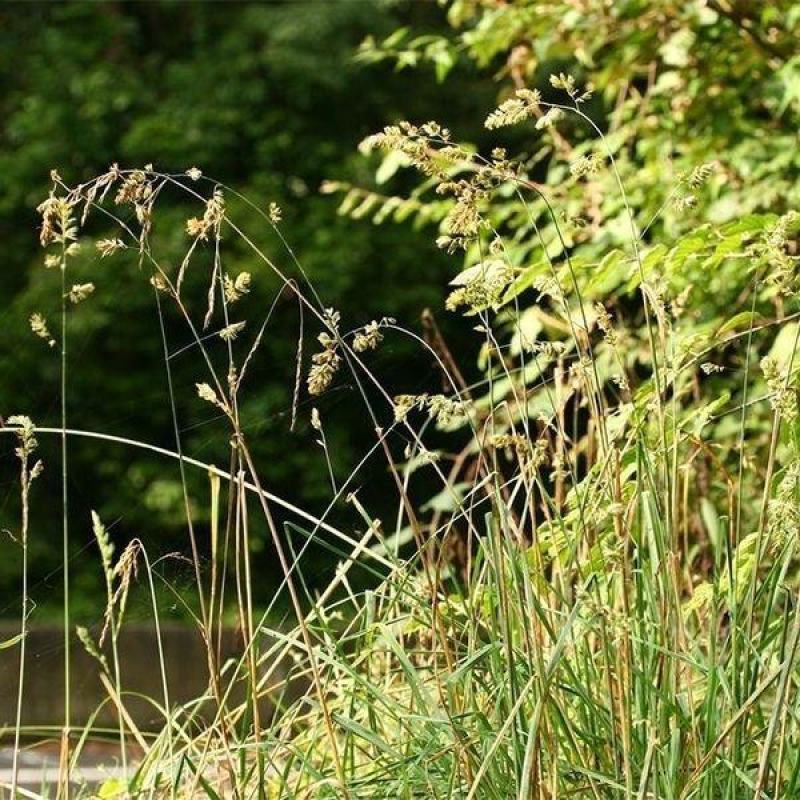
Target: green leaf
x: 393, y: 161
x: 783, y: 349
x: 113, y: 787
x: 609, y: 274
x: 742, y: 320
x: 396, y: 37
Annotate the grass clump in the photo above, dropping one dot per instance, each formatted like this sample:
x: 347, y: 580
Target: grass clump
x: 600, y: 601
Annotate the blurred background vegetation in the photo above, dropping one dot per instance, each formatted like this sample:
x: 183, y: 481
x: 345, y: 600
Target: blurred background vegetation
x: 268, y: 97
x: 273, y: 98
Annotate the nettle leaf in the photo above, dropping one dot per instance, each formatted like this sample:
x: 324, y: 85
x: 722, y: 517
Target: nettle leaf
x: 692, y: 344
x: 653, y: 260
x: 485, y: 270
x: 727, y: 247
x: 609, y: 274
x: 697, y: 418
x: 789, y: 76
x: 741, y: 321
x: 525, y: 279
x: 655, y: 257
x: 526, y: 329
x: 691, y: 245
x: 784, y: 348
x: 749, y: 225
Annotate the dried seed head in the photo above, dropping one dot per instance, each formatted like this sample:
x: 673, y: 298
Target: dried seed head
x: 25, y: 435
x: 518, y: 108
x: 368, y: 338
x: 104, y: 543
x: 39, y: 326
x: 326, y: 363
x: 563, y: 81
x: 549, y: 119
x: 404, y: 403
x: 605, y: 324
x: 446, y: 410
x: 135, y: 189
x: 230, y: 332
x: 199, y: 228
x: 481, y: 286
x: 108, y: 247
x: 205, y: 392
x: 324, y: 368
x: 586, y: 165
x: 79, y: 292
x: 58, y: 225
x: 684, y: 202
x: 85, y: 638
x: 701, y: 174
x: 783, y: 397
x: 236, y: 287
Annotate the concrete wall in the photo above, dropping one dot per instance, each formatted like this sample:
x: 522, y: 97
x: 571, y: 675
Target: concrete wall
x: 186, y: 663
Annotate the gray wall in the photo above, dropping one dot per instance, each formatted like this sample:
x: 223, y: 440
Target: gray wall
x: 186, y: 663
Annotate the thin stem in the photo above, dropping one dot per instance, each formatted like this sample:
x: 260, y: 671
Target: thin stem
x: 24, y: 491
x: 65, y: 787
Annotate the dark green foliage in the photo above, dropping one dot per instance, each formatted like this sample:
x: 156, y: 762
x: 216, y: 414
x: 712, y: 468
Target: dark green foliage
x: 268, y: 97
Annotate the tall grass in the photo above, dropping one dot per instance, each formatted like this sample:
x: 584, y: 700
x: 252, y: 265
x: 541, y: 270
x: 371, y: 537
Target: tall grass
x: 570, y: 616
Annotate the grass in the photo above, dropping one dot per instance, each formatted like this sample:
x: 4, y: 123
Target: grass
x: 570, y: 617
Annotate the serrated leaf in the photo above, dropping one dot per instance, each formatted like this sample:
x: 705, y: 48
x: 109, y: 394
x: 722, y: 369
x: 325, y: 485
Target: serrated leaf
x: 486, y: 270
x: 737, y: 322
x: 783, y: 348
x: 524, y: 280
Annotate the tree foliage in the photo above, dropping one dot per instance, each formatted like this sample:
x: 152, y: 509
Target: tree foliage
x: 268, y: 97
x: 640, y: 149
